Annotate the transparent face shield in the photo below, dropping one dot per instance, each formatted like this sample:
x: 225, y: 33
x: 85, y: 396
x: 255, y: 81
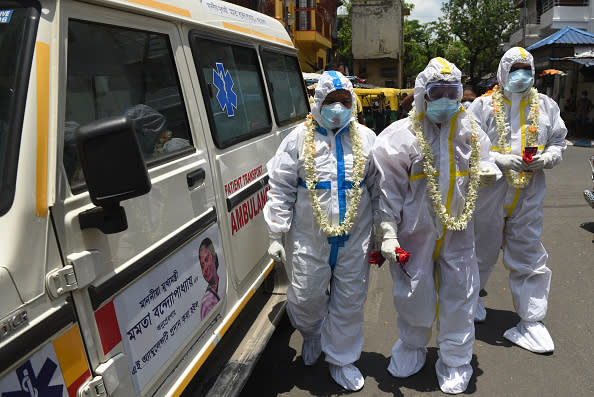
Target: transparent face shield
x: 444, y: 89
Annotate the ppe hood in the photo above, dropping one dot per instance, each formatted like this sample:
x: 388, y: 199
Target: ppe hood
x: 329, y: 82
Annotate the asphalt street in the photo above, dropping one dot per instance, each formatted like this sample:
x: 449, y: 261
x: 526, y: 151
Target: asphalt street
x: 500, y: 368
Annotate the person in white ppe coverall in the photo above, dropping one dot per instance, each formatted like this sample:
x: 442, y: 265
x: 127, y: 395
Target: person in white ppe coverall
x: 509, y: 213
x: 437, y: 148
x: 328, y: 158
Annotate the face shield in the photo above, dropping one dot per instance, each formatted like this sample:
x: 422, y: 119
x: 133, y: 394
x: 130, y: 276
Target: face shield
x: 439, y: 82
x: 444, y: 89
x: 442, y: 100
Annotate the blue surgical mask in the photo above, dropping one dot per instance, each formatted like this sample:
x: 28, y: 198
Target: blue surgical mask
x: 519, y: 80
x: 442, y: 110
x: 335, y: 115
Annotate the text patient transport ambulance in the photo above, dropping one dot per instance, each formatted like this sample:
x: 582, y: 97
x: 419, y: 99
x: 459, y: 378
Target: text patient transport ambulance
x: 134, y: 136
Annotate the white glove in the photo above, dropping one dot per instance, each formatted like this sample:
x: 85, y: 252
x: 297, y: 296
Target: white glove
x: 510, y: 161
x: 390, y: 241
x: 541, y: 161
x: 276, y: 248
x: 487, y: 176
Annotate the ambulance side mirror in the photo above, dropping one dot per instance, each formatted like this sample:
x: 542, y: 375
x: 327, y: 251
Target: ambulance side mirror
x: 114, y: 169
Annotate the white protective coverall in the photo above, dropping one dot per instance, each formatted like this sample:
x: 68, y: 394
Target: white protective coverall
x: 442, y: 263
x: 510, y: 218
x: 315, y: 261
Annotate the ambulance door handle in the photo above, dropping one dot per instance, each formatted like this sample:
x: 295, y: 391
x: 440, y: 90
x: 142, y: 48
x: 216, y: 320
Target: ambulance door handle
x: 196, y: 177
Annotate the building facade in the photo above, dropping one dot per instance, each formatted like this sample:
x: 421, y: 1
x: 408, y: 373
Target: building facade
x: 541, y: 18
x: 377, y: 41
x: 309, y: 23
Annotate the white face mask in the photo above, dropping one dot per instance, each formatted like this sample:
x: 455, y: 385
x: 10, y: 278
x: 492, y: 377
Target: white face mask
x: 335, y: 115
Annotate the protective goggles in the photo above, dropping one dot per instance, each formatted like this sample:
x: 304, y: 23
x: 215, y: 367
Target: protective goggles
x: 442, y: 89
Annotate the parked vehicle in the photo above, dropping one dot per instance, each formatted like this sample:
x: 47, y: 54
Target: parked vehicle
x: 380, y: 105
x: 134, y: 137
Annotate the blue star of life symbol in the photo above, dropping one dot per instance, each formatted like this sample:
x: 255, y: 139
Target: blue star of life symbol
x: 36, y: 385
x: 225, y: 95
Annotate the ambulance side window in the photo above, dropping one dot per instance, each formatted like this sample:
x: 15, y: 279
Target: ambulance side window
x: 285, y: 84
x: 233, y: 89
x: 114, y: 70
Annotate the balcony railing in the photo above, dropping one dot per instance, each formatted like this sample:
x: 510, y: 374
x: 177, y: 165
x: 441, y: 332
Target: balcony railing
x: 548, y: 4
x: 312, y: 19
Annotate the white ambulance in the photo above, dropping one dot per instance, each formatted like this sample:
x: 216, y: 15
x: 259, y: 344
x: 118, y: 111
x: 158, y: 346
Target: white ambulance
x: 134, y: 136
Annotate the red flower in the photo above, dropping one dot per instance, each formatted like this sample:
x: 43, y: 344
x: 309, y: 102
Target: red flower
x: 403, y: 256
x: 376, y: 258
x: 529, y: 151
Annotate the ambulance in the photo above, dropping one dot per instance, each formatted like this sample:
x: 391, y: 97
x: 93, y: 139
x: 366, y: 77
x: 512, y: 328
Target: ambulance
x: 134, y: 136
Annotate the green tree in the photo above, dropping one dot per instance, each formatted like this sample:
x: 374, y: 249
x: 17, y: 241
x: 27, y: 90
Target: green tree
x: 445, y: 44
x: 417, y: 49
x: 345, y: 35
x: 424, y: 41
x: 481, y: 26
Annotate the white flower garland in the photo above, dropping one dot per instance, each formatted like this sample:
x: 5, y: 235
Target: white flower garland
x: 518, y: 180
x: 450, y: 222
x: 311, y: 179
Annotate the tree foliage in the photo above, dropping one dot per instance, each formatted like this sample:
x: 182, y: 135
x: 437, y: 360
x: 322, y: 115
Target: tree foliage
x: 481, y: 26
x: 470, y: 34
x: 345, y: 35
x: 417, y: 47
x: 429, y: 40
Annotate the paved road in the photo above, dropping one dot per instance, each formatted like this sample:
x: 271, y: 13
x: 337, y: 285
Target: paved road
x: 500, y: 368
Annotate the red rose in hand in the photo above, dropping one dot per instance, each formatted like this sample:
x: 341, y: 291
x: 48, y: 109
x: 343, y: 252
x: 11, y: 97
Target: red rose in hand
x: 403, y: 256
x: 529, y: 151
x: 376, y: 258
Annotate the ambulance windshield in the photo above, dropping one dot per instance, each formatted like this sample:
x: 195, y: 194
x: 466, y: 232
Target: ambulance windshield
x: 18, y: 20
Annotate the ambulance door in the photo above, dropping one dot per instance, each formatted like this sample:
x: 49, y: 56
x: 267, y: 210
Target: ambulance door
x: 41, y: 350
x: 147, y: 293
x: 245, y: 137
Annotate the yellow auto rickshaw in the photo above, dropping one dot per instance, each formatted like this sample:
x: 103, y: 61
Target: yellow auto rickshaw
x: 380, y: 105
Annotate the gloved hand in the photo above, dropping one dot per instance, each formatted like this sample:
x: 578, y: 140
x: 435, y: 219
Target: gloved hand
x: 390, y: 241
x: 510, y: 161
x: 276, y: 248
x: 487, y: 176
x: 540, y: 161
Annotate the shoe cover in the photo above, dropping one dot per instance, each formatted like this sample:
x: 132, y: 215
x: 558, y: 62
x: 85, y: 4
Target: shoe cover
x: 406, y: 360
x: 480, y: 313
x: 348, y: 376
x: 531, y: 335
x: 452, y: 380
x: 311, y: 350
